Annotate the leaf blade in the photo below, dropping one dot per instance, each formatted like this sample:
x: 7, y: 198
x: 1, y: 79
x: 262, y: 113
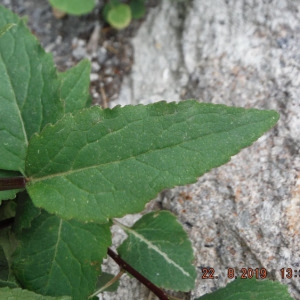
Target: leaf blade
x: 75, y: 86
x: 26, y: 212
x: 108, y: 163
x: 8, y: 245
x: 29, y: 96
x: 69, y: 255
x: 249, y: 289
x: 159, y: 248
x: 18, y: 293
x: 74, y: 7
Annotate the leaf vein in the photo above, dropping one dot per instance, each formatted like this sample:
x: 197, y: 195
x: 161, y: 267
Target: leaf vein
x: 157, y: 250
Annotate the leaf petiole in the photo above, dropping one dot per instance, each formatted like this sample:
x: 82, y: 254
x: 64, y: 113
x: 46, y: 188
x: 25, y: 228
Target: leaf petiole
x: 12, y: 183
x: 124, y: 265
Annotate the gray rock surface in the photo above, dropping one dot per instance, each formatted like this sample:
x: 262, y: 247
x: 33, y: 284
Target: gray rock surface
x: 242, y: 53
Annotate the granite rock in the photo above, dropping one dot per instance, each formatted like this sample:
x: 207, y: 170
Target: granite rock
x: 241, y: 53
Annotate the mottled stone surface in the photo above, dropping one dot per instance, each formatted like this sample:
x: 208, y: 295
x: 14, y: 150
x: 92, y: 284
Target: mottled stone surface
x: 242, y: 53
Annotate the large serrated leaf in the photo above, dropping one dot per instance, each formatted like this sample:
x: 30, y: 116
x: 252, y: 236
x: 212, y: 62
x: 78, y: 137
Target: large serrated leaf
x: 58, y: 257
x: 107, y: 163
x: 249, y: 289
x: 159, y: 248
x: 20, y: 294
x: 75, y: 84
x: 29, y: 95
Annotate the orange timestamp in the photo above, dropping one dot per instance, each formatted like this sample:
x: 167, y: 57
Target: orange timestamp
x: 243, y: 273
x: 289, y: 273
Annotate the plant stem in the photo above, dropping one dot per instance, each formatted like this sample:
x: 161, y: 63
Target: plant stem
x: 12, y: 183
x: 108, y: 284
x: 124, y: 265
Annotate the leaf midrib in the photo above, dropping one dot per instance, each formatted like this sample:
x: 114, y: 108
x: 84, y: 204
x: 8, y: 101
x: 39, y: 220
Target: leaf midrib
x: 69, y: 172
x: 66, y: 173
x: 55, y: 250
x: 153, y: 247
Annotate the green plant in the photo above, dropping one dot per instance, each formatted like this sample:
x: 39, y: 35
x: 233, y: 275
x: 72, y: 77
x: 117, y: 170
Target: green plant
x: 67, y: 170
x: 74, y: 7
x: 116, y: 13
x: 119, y: 14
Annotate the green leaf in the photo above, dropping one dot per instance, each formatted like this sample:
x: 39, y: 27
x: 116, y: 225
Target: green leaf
x: 138, y: 8
x: 8, y: 210
x: 74, y: 7
x: 29, y: 95
x: 119, y: 16
x: 9, y: 194
x: 107, y: 163
x: 20, y: 294
x: 4, y: 267
x: 159, y: 248
x: 249, y: 289
x: 6, y: 276
x: 75, y: 86
x: 25, y: 212
x: 58, y: 257
x: 8, y: 244
x: 10, y: 284
x: 103, y: 279
x: 6, y: 28
x: 108, y: 6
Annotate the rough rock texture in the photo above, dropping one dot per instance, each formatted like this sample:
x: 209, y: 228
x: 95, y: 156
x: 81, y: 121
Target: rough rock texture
x: 242, y: 53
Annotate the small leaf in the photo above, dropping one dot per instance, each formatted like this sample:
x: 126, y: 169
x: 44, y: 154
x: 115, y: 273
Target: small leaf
x: 75, y: 84
x: 119, y: 16
x: 25, y: 212
x: 29, y: 97
x: 20, y: 294
x: 8, y: 244
x: 8, y: 210
x: 74, y: 7
x: 249, y: 289
x: 159, y: 248
x: 138, y: 8
x: 69, y: 256
x: 100, y: 164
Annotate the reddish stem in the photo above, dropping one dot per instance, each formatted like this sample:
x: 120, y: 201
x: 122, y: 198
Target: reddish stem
x: 124, y: 265
x: 12, y: 183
